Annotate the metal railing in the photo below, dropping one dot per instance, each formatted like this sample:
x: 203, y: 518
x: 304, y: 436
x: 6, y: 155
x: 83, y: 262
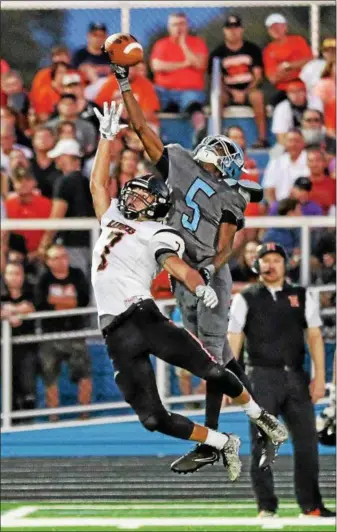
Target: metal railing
x: 8, y: 341
x: 305, y: 223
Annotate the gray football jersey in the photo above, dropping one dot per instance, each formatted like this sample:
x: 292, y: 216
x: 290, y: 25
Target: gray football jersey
x: 201, y: 202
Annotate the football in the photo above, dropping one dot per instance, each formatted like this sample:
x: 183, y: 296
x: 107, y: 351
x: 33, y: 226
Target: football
x: 124, y: 49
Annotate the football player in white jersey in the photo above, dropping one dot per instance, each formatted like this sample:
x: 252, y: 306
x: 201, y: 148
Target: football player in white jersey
x: 132, y: 248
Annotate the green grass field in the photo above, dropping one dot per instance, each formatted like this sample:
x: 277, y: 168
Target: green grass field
x: 199, y: 516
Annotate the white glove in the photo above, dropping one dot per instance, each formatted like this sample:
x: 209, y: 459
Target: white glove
x: 207, y: 295
x: 109, y: 125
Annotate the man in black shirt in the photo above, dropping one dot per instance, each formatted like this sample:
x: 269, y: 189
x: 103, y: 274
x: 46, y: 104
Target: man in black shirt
x: 62, y: 287
x: 43, y: 167
x: 241, y: 65
x: 92, y: 54
x: 275, y: 317
x: 17, y: 298
x: 71, y: 199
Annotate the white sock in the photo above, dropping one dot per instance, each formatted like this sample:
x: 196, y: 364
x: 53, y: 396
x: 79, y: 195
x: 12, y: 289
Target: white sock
x: 252, y: 409
x: 216, y: 439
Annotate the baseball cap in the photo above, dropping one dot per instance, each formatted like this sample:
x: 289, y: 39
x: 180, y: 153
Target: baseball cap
x: 271, y: 247
x: 329, y: 43
x: 71, y: 79
x: 296, y: 84
x: 65, y: 147
x: 304, y: 183
x: 97, y: 26
x: 233, y: 21
x: 275, y: 18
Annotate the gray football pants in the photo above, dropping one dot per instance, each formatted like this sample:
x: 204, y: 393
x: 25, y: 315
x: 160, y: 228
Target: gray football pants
x: 209, y: 325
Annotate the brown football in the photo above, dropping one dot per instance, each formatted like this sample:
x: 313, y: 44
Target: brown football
x: 124, y: 49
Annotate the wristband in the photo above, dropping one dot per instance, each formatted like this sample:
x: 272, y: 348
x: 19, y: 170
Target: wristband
x: 124, y: 85
x: 211, y: 269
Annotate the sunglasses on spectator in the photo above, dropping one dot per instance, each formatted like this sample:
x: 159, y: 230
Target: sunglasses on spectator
x: 312, y: 119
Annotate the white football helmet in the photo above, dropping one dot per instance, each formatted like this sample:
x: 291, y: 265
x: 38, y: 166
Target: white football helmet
x: 223, y: 153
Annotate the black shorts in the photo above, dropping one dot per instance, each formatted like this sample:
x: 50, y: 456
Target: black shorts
x: 144, y: 331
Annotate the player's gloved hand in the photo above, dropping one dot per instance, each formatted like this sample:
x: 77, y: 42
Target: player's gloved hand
x: 121, y: 73
x: 207, y: 273
x: 207, y: 295
x: 109, y: 125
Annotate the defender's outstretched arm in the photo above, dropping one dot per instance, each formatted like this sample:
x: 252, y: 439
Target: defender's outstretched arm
x: 152, y: 143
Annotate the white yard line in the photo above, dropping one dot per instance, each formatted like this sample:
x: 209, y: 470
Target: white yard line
x: 171, y: 506
x: 134, y: 523
x: 22, y: 511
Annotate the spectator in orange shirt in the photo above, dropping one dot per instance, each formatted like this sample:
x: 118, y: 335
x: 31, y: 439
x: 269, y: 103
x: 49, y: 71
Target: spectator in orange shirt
x: 142, y: 89
x: 42, y: 79
x: 284, y: 57
x: 179, y: 63
x: 323, y: 189
x: 49, y: 96
x: 326, y: 91
x: 27, y: 203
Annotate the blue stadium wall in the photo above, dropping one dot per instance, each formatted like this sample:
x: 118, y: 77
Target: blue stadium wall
x: 111, y: 439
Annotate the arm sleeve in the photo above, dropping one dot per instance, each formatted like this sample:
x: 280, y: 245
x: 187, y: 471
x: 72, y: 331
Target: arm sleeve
x: 270, y: 175
x: 166, y: 243
x: 312, y: 316
x: 230, y: 217
x: 82, y: 288
x: 269, y: 62
x: 238, y: 314
x: 158, y: 51
x: 63, y: 190
x: 282, y: 118
x: 233, y: 213
x: 257, y: 57
x: 163, y: 164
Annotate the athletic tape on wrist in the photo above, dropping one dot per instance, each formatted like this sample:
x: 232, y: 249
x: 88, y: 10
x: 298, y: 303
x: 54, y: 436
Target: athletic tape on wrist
x: 124, y: 85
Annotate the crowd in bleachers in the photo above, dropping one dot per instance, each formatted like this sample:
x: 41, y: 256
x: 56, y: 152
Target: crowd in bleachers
x: 49, y: 134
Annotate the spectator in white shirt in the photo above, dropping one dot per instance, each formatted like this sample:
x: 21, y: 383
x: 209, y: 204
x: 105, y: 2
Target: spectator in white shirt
x: 282, y: 171
x: 312, y: 71
x: 288, y: 113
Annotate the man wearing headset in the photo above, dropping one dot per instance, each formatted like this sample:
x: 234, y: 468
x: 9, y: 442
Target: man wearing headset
x: 275, y: 318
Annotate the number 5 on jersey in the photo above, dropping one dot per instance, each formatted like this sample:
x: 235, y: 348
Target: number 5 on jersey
x: 186, y: 221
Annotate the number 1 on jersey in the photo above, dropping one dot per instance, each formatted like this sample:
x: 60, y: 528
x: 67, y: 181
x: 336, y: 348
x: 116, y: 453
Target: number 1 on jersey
x: 186, y: 221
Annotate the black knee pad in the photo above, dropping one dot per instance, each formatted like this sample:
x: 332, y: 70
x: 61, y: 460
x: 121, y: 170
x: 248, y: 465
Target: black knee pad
x: 225, y: 379
x: 169, y: 423
x: 152, y: 423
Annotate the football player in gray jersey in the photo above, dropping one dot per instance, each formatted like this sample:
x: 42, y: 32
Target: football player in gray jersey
x: 209, y: 204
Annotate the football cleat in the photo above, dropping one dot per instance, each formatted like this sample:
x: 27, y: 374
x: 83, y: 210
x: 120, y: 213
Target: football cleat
x: 318, y: 512
x: 269, y: 452
x: 267, y: 514
x: 230, y: 455
x: 274, y: 429
x: 195, y: 459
